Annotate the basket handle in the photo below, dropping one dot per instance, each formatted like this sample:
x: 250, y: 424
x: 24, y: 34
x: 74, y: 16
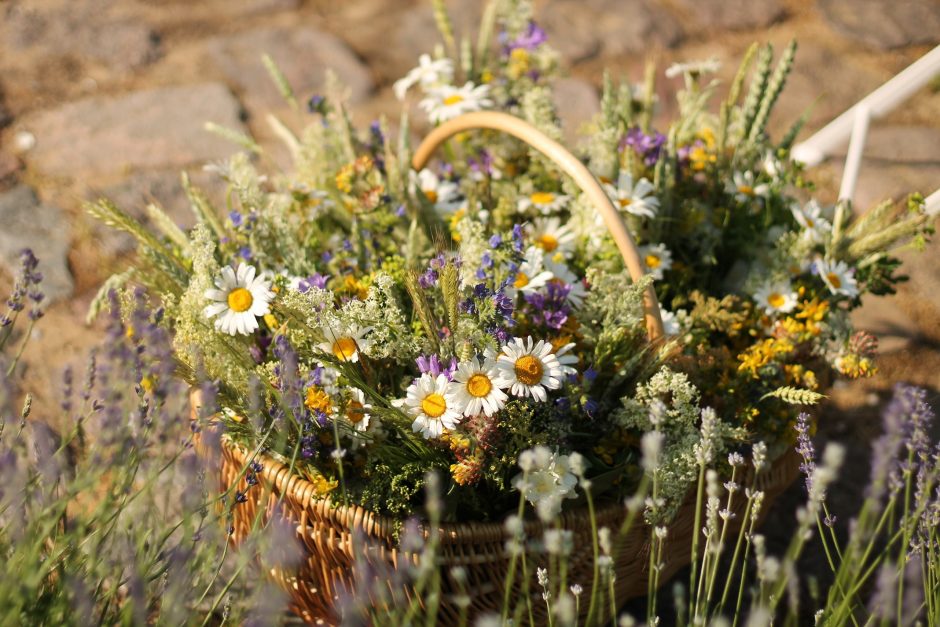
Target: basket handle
x: 570, y: 165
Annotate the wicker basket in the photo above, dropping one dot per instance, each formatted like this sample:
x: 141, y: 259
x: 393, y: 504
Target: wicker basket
x: 327, y: 531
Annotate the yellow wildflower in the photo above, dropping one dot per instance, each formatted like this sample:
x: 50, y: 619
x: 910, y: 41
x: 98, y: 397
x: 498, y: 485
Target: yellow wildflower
x: 762, y: 353
x: 519, y: 63
x: 318, y: 400
x: 454, y: 220
x: 354, y: 286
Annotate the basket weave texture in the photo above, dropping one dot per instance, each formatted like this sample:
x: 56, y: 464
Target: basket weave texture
x: 333, y: 536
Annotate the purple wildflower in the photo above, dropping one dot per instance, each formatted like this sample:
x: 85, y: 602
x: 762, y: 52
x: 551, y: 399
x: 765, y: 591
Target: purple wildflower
x: 806, y: 449
x: 530, y: 40
x: 646, y: 146
x: 236, y: 218
x: 517, y: 237
x: 317, y: 104
x: 496, y: 240
x: 432, y: 366
x: 428, y: 279
x: 67, y: 389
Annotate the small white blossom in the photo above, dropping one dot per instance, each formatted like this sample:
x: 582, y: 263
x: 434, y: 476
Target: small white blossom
x: 429, y: 74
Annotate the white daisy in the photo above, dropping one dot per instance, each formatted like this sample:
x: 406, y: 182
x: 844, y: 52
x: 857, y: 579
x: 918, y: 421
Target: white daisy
x: 475, y: 388
x: 357, y: 410
x: 670, y: 322
x: 566, y: 359
x: 531, y: 274
x: 710, y: 65
x: 838, y: 277
x: 545, y: 202
x: 434, y: 411
x: 744, y: 189
x: 635, y: 198
x: 810, y: 217
x: 553, y: 237
x: 429, y: 74
x: 772, y: 165
x: 656, y: 259
x: 345, y: 343
x: 240, y: 299
x: 447, y: 102
x: 527, y: 368
x: 443, y: 194
x: 777, y: 297
x: 563, y: 274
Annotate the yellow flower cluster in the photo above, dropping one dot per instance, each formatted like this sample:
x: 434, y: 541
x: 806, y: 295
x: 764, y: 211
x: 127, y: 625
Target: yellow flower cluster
x: 703, y: 154
x: 762, y: 353
x: 318, y: 400
x: 321, y: 485
x: 360, y: 180
x: 469, y: 462
x: 856, y: 366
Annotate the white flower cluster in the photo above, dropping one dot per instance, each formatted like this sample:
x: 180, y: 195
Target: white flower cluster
x: 547, y: 479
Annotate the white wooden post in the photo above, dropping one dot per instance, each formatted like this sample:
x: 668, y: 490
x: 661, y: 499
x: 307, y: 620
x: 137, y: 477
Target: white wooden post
x: 827, y: 140
x: 932, y: 204
x: 853, y: 158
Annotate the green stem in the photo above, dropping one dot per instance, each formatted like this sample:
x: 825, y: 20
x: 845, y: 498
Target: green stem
x: 695, y: 533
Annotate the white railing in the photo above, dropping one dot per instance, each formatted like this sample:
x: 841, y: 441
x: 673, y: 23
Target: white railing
x: 853, y: 125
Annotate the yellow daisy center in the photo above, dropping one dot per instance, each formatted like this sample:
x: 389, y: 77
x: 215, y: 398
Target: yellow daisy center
x: 542, y: 198
x: 355, y: 412
x: 452, y: 100
x: 747, y: 190
x: 433, y: 405
x: 834, y: 280
x: 522, y: 279
x: 344, y: 348
x: 810, y: 223
x: 547, y: 242
x: 240, y: 300
x: 431, y: 194
x: 776, y: 300
x: 624, y: 202
x: 652, y: 261
x: 529, y: 370
x: 479, y: 385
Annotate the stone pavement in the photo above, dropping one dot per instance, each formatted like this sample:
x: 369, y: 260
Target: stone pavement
x: 104, y: 97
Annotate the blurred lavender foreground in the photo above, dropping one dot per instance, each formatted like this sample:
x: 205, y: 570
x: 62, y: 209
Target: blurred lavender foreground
x: 113, y: 520
x: 117, y: 520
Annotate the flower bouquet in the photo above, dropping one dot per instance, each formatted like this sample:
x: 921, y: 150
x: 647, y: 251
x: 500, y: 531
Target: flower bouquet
x: 527, y: 333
